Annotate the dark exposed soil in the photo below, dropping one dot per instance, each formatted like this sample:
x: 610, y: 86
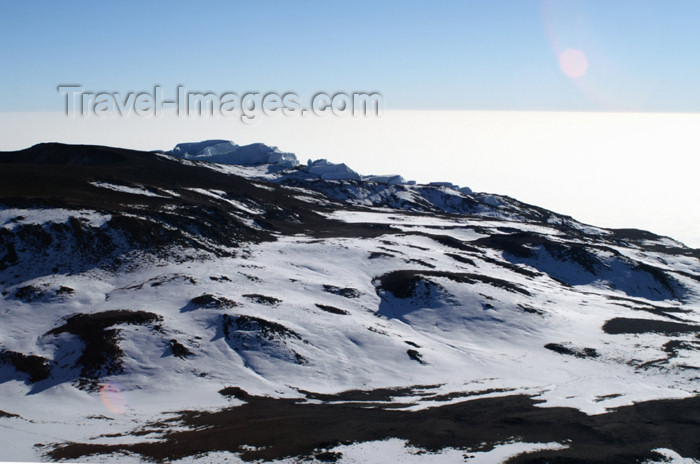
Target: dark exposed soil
x: 245, y: 333
x: 29, y: 293
x: 235, y: 392
x: 420, y: 262
x: 8, y: 414
x: 36, y: 367
x: 379, y: 254
x: 674, y: 346
x: 279, y: 428
x: 622, y: 325
x: 517, y: 268
x: 263, y: 299
x: 82, y: 324
x: 531, y: 310
x: 665, y: 311
x: 673, y: 349
x: 452, y: 242
x: 571, y: 351
x: 55, y: 175
x: 415, y: 355
x: 642, y: 237
x: 332, y: 309
x: 346, y: 292
x: 403, y: 284
x: 525, y: 247
x: 461, y: 259
x: 208, y: 300
x: 101, y: 352
x: 516, y: 244
x: 10, y: 257
x: 179, y: 350
x: 575, y: 253
x: 262, y: 328
x: 63, y: 290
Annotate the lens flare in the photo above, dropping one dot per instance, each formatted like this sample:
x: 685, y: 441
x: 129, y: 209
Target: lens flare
x: 573, y: 63
x: 113, y: 398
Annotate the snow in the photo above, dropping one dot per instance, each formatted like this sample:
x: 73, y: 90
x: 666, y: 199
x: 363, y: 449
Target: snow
x: 395, y: 450
x: 12, y: 217
x: 261, y: 162
x: 475, y: 340
x: 449, y: 338
x: 126, y: 189
x: 671, y: 457
x: 227, y: 152
x: 221, y: 195
x: 381, y: 452
x: 452, y: 331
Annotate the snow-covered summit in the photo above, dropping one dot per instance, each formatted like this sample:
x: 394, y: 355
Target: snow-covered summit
x: 337, y: 181
x: 259, y: 154
x: 227, y: 152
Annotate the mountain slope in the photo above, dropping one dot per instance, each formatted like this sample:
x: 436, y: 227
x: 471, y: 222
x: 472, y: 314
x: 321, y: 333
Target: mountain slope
x: 136, y: 283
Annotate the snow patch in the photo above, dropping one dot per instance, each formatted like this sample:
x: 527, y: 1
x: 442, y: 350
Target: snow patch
x: 671, y: 457
x: 126, y: 189
x: 11, y: 217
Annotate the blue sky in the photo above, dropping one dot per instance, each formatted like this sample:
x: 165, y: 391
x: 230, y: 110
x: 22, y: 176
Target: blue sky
x: 469, y: 55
